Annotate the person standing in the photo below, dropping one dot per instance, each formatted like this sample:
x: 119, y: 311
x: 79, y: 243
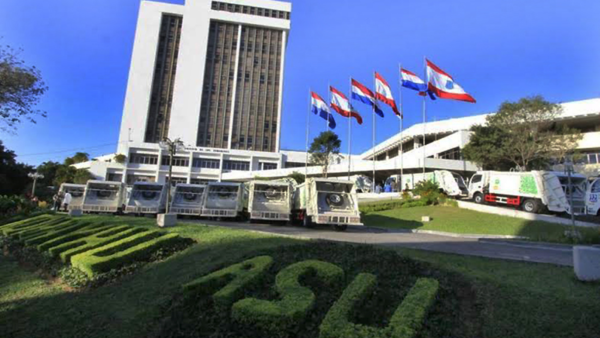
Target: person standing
x: 55, y: 202
x: 66, y: 201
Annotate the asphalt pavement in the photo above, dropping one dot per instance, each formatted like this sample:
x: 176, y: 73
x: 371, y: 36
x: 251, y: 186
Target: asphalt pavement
x: 499, y: 249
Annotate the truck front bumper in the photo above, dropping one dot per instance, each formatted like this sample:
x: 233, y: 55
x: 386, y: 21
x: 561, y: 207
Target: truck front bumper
x: 338, y: 219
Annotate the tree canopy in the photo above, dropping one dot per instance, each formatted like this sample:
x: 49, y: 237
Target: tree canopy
x: 324, y: 149
x: 13, y: 175
x: 21, y: 88
x: 521, y: 135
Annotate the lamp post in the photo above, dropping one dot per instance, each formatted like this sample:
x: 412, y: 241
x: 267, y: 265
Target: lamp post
x: 172, y: 146
x: 35, y: 177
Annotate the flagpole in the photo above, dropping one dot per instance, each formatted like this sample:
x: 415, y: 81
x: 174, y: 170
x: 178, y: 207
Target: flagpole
x: 350, y: 131
x: 329, y: 97
x: 374, y: 121
x: 400, y: 150
x: 307, y: 127
x: 424, y: 113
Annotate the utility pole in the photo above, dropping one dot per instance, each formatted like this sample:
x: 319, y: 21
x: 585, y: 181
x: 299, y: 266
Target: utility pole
x: 35, y: 177
x: 171, y: 146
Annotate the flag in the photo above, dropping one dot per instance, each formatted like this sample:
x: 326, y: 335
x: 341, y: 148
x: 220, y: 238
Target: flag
x: 412, y: 81
x: 443, y: 85
x: 364, y: 95
x: 319, y: 107
x: 341, y: 104
x: 384, y: 93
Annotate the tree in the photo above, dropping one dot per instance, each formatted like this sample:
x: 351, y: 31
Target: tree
x: 324, y: 149
x: 21, y: 88
x: 120, y: 158
x: 298, y: 177
x: 522, y: 134
x: 13, y: 175
x: 77, y: 158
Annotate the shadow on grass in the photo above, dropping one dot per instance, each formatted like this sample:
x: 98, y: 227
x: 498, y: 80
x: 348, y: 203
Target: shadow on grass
x: 377, y: 220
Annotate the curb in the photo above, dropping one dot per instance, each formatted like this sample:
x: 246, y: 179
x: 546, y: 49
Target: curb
x: 451, y: 234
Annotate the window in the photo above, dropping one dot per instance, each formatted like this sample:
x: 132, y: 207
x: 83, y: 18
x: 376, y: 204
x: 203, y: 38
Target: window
x: 268, y: 166
x: 236, y: 165
x: 596, y: 187
x: 176, y: 180
x: 476, y: 179
x: 593, y: 159
x: 177, y: 161
x: 143, y: 159
x: 207, y: 163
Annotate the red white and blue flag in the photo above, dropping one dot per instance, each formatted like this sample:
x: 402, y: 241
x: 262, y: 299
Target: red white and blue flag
x: 365, y: 95
x: 341, y: 104
x: 443, y: 86
x: 319, y: 107
x: 384, y: 93
x: 412, y: 81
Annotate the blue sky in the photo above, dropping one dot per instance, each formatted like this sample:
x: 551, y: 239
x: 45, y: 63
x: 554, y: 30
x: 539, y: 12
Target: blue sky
x: 496, y: 50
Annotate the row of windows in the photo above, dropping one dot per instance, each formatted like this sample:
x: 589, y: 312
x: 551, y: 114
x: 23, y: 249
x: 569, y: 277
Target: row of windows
x: 177, y: 161
x: 236, y: 165
x: 206, y: 163
x: 270, y: 13
x: 593, y: 158
x: 267, y: 166
x: 143, y: 159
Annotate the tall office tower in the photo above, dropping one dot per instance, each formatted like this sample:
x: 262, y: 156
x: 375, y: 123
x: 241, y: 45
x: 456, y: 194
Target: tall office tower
x: 209, y: 73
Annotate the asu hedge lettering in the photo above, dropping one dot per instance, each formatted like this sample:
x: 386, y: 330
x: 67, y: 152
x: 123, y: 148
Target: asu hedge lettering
x: 405, y: 322
x: 232, y: 281
x: 296, y: 300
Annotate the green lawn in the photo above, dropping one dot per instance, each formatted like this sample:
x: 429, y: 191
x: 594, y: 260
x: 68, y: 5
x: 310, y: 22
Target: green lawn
x: 507, y: 299
x: 462, y: 221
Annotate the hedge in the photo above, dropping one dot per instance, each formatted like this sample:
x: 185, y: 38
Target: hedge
x: 125, y: 251
x: 296, y: 300
x: 232, y: 281
x: 69, y: 249
x: 52, y: 233
x: 36, y: 229
x: 85, y: 231
x: 21, y: 217
x: 11, y: 228
x: 366, y: 208
x: 405, y: 322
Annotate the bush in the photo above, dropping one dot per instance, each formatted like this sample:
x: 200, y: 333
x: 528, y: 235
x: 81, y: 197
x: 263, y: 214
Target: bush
x: 29, y: 225
x: 232, y: 281
x: 87, y: 230
x: 125, y: 251
x: 296, y: 300
x: 429, y: 191
x: 405, y: 322
x: 11, y: 205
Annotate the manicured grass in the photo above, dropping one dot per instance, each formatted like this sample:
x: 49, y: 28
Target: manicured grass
x: 462, y: 221
x: 504, y: 299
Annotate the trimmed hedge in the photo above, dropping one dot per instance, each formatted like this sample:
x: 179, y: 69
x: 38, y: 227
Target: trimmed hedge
x: 52, y: 233
x: 21, y: 217
x: 36, y: 229
x: 405, y: 322
x: 85, y: 231
x: 232, y: 281
x: 122, y: 252
x: 296, y: 300
x: 15, y: 227
x: 366, y: 208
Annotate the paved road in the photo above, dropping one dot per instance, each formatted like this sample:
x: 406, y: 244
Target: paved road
x: 530, y: 252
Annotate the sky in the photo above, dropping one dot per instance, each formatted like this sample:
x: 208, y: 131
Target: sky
x: 497, y: 50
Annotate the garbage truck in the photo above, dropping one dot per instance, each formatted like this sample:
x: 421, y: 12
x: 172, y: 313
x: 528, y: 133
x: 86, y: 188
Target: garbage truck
x: 592, y: 197
x: 326, y: 201
x: 147, y: 198
x: 188, y: 199
x: 451, y: 183
x: 269, y: 200
x: 76, y: 190
x: 224, y: 200
x: 104, y: 196
x: 532, y: 191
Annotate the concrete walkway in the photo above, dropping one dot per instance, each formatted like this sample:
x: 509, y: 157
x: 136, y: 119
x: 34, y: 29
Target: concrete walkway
x: 499, y: 249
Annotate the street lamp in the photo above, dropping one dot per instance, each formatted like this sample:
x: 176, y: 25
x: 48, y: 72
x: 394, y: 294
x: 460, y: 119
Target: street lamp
x: 35, y: 177
x: 172, y: 146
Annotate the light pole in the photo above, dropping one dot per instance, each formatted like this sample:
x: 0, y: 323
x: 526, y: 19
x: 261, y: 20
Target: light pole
x: 171, y: 146
x: 35, y: 177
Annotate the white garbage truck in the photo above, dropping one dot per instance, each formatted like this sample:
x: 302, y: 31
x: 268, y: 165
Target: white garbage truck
x: 326, y: 201
x: 270, y: 200
x: 592, y: 197
x: 104, y: 197
x: 76, y: 190
x: 224, y: 200
x: 188, y: 199
x: 147, y: 198
x: 533, y: 191
x: 451, y: 183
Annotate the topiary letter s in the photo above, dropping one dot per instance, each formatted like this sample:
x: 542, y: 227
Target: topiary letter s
x: 232, y: 280
x: 296, y: 300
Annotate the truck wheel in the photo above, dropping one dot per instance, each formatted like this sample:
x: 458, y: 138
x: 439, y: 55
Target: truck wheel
x: 531, y: 205
x: 340, y: 227
x: 306, y: 222
x: 478, y: 198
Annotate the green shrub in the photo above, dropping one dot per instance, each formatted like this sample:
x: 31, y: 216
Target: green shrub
x: 52, y: 233
x: 69, y: 249
x: 10, y: 227
x: 125, y: 251
x: 405, y: 322
x: 429, y: 191
x: 296, y: 300
x: 33, y: 229
x: 87, y: 230
x: 231, y: 281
